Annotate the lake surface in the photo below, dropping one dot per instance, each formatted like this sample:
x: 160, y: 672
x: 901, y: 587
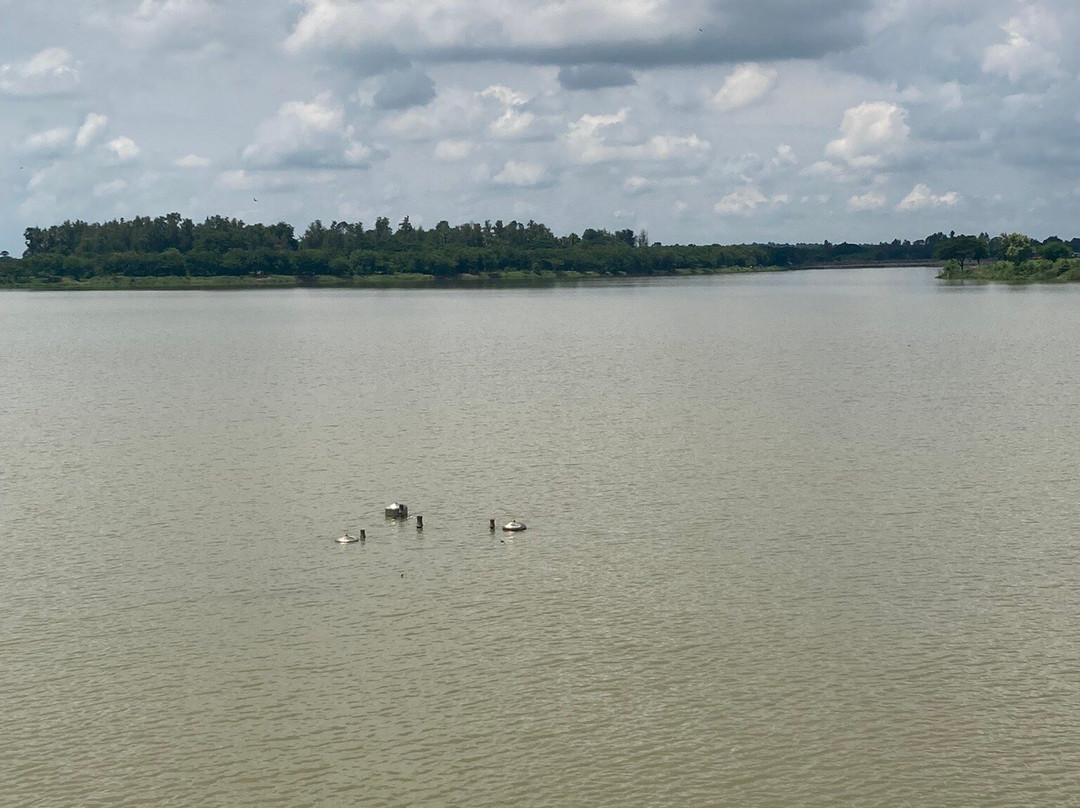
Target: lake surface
x: 799, y: 539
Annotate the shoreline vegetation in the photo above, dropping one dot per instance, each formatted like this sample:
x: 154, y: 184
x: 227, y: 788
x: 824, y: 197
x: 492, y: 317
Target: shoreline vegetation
x: 171, y: 252
x: 1040, y: 270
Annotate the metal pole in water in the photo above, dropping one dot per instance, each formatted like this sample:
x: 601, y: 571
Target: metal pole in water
x: 491, y: 524
x: 419, y: 523
x: 363, y: 535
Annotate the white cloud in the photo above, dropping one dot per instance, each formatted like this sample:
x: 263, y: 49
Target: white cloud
x: 869, y: 133
x: 52, y: 71
x: 505, y: 96
x: 745, y: 85
x: 515, y: 119
x: 511, y: 123
x: 1029, y: 47
x: 453, y: 150
x: 785, y: 156
x: 823, y: 168
x: 435, y: 24
x: 521, y: 175
x: 868, y: 201
x: 587, y: 141
x: 419, y: 123
x: 51, y: 141
x: 454, y: 114
x: 93, y: 126
x: 922, y: 197
x: 636, y: 184
x: 124, y: 148
x: 307, y: 135
x: 746, y: 200
x: 192, y: 161
x: 664, y: 147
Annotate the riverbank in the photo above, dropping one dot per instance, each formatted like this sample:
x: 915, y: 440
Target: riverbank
x: 396, y: 281
x: 1064, y: 270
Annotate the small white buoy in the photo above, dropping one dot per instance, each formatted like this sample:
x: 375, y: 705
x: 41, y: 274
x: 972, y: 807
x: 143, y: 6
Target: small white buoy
x: 514, y: 526
x: 346, y: 539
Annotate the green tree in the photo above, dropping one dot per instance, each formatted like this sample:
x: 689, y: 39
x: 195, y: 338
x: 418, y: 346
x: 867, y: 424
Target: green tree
x: 962, y: 249
x: 1054, y: 249
x: 1015, y: 247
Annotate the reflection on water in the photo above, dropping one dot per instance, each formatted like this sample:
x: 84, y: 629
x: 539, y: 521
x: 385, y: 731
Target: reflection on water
x: 795, y: 539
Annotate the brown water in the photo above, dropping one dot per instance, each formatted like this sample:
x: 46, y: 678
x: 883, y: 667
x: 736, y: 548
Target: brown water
x: 807, y: 539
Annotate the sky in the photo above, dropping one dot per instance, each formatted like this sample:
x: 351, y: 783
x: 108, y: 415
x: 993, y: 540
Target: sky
x: 698, y: 121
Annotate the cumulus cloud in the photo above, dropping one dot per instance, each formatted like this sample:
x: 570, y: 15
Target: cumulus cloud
x: 124, y: 148
x: 505, y: 96
x: 588, y: 142
x: 586, y: 139
x: 453, y: 150
x: 307, y: 135
x: 595, y: 77
x: 1028, y: 49
x: 868, y: 201
x: 823, y: 168
x: 50, y: 142
x: 512, y: 123
x: 515, y: 119
x: 92, y: 128
x: 785, y: 156
x: 622, y: 32
x: 869, y: 133
x: 745, y: 200
x: 192, y: 161
x: 922, y: 197
x: 453, y: 114
x: 521, y: 175
x: 52, y: 71
x: 746, y: 85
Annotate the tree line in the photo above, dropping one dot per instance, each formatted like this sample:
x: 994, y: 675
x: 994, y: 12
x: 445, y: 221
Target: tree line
x: 174, y: 246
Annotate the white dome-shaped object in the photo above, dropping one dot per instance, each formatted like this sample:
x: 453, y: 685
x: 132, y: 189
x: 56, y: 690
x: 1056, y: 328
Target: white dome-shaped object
x: 346, y: 539
x: 514, y: 526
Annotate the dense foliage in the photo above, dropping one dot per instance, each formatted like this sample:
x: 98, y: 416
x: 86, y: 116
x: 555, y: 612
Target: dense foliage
x: 1016, y: 258
x: 175, y: 247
